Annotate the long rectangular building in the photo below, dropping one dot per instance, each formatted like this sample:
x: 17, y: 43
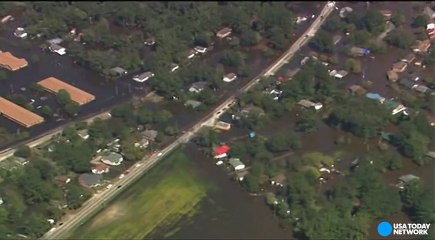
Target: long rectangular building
x: 78, y: 96
x: 12, y: 63
x: 19, y: 114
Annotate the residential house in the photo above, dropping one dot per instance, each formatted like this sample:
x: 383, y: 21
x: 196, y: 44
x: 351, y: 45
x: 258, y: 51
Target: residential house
x: 57, y: 49
x: 431, y: 120
x: 357, y: 89
x: 408, y: 178
x: 386, y: 13
x: 222, y: 125
x: 224, y: 32
x: 192, y: 103
x: 399, y: 67
x: 359, y: 52
x: 392, y: 76
x: 308, y: 104
x: 174, y: 67
x: 229, y: 77
x: 191, y: 54
x: 278, y: 180
x: 394, y: 107
x: 83, y: 134
x: 408, y: 83
x: 345, y: 11
x: 20, y: 33
x: 100, y: 168
x: 90, y: 180
x: 408, y: 58
x: 421, y: 88
x: 376, y: 97
x: 112, y: 159
x: 198, y: 87
x: 253, y: 110
x: 221, y: 152
x: 341, y: 74
x: 118, y: 71
x: 143, y: 77
x: 421, y: 46
x: 236, y: 164
x: 150, y: 135
x: 200, y: 49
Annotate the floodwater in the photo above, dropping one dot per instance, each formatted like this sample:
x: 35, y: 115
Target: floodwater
x: 107, y: 93
x: 226, y: 213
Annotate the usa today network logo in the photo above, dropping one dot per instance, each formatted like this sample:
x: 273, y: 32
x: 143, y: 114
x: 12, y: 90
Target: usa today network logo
x: 386, y: 229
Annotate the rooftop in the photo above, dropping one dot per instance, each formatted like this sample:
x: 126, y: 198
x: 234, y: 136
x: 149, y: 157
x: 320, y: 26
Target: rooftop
x: 77, y: 95
x: 19, y: 114
x: 12, y: 63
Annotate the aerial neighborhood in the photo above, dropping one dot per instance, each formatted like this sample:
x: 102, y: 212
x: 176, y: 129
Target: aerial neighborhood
x: 118, y: 119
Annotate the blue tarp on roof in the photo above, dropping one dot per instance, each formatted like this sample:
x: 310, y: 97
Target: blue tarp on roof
x: 374, y: 96
x: 366, y: 51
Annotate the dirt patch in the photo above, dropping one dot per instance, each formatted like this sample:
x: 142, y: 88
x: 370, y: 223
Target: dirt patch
x: 153, y: 97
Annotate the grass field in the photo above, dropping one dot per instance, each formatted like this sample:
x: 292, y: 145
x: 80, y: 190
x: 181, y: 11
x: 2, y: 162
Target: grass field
x: 168, y: 192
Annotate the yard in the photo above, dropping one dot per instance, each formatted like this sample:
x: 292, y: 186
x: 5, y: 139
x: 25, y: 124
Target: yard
x: 171, y: 190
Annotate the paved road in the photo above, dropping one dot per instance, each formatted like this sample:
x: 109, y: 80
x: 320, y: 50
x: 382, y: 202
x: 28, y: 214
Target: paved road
x: 99, y: 200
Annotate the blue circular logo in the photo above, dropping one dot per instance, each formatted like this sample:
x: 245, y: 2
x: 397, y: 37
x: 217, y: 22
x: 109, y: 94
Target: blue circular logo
x: 385, y: 229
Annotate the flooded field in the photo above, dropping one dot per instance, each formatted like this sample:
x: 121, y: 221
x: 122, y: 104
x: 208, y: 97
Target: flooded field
x: 227, y: 212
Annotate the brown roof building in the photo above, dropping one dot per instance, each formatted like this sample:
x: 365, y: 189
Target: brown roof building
x: 357, y: 89
x: 12, y: 63
x: 19, y: 114
x: 54, y: 85
x: 399, y: 67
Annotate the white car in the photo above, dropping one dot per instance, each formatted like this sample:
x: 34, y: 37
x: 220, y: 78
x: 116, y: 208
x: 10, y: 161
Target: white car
x: 109, y: 186
x: 121, y: 176
x: 159, y: 154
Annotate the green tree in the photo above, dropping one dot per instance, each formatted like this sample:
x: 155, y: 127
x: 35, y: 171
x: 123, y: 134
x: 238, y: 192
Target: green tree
x: 63, y: 97
x: 420, y: 21
x: 353, y: 65
x: 23, y: 151
x: 171, y: 130
x: 374, y: 21
x: 162, y: 116
x: 249, y: 38
x: 400, y: 38
x: 76, y: 196
x: 398, y: 19
x: 46, y: 111
x: 323, y: 42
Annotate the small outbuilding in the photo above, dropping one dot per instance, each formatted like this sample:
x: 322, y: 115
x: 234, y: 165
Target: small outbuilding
x: 236, y: 164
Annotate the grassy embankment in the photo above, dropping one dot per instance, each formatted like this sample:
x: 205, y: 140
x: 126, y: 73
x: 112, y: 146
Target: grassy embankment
x: 168, y: 192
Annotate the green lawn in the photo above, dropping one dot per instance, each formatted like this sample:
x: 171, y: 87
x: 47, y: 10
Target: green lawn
x: 169, y: 191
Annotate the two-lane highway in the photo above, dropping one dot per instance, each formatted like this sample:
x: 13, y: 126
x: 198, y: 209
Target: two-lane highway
x: 99, y: 200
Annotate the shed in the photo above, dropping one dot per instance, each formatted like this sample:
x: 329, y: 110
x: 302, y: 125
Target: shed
x: 386, y: 13
x: 174, y: 67
x: 392, y: 76
x: 236, y: 164
x: 55, y: 41
x: 192, y: 103
x: 431, y: 155
x: 341, y: 74
x: 223, y: 125
x: 229, y: 77
x: 143, y: 77
x: 306, y: 103
x: 90, y: 180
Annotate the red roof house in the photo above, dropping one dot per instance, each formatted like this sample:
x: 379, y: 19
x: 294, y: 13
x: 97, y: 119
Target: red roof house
x: 221, y: 151
x: 100, y: 168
